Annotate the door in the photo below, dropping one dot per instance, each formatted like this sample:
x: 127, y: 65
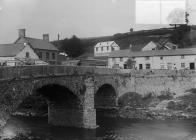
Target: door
x: 192, y: 66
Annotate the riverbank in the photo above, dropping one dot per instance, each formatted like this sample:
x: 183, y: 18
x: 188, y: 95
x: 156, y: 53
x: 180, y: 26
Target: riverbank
x: 154, y: 114
x: 25, y: 136
x: 166, y: 106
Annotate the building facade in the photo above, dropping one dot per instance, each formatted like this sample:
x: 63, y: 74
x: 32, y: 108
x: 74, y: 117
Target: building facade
x: 43, y: 48
x: 104, y: 48
x: 18, y: 54
x: 155, y: 59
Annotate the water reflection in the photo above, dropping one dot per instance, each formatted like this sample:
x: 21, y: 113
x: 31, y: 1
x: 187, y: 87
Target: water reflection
x: 110, y: 129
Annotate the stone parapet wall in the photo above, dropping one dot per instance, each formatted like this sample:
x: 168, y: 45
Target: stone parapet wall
x: 39, y: 71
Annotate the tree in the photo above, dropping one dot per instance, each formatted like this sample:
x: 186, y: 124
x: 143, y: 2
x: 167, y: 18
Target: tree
x: 176, y: 17
x: 179, y: 19
x: 74, y: 47
x: 130, y: 63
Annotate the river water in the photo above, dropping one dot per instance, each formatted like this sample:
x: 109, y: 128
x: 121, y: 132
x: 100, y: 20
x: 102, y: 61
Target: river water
x: 109, y: 129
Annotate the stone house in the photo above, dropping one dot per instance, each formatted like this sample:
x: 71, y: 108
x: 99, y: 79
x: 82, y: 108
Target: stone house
x: 45, y: 50
x: 18, y: 54
x: 104, y: 48
x: 155, y: 59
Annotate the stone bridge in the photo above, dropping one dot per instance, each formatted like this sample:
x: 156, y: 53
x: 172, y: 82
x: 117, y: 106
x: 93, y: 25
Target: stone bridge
x: 74, y: 94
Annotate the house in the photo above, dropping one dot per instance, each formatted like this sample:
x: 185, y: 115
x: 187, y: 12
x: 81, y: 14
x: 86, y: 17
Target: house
x: 104, y: 48
x: 159, y: 46
x: 150, y: 46
x: 45, y: 50
x: 18, y: 54
x: 155, y: 59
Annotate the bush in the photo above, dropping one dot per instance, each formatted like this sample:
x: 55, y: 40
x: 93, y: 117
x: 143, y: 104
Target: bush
x: 131, y: 99
x: 166, y: 95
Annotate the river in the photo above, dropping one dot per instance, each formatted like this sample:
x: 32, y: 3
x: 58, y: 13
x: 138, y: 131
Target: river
x: 109, y: 129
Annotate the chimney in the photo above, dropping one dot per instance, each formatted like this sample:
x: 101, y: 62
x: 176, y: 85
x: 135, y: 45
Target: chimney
x: 46, y: 37
x: 21, y: 33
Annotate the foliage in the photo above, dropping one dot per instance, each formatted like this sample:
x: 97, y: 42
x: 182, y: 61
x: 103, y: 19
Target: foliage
x: 176, y: 16
x: 74, y: 47
x: 166, y: 95
x: 130, y: 99
x: 178, y: 35
x: 130, y: 63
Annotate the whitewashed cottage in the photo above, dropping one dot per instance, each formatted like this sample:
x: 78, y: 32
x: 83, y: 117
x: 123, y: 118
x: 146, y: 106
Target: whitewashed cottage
x: 104, y: 48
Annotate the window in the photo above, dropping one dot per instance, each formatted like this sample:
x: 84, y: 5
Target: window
x: 147, y: 57
x: 162, y: 66
x: 101, y: 48
x: 121, y: 59
x: 140, y: 66
x: 47, y: 56
x: 192, y: 66
x: 147, y: 66
x: 182, y: 65
x: 96, y: 49
x: 182, y: 56
x: 40, y: 55
x: 53, y: 56
x: 107, y: 48
x: 161, y: 58
x: 27, y: 54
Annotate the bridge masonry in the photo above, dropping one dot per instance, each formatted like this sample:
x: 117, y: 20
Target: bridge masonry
x: 18, y: 83
x: 89, y: 89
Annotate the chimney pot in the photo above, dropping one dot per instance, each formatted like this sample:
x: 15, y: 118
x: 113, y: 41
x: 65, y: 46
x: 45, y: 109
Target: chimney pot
x: 21, y: 33
x: 46, y: 37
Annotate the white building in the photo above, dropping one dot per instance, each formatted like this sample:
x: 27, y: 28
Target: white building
x: 18, y: 54
x: 104, y: 48
x: 155, y: 59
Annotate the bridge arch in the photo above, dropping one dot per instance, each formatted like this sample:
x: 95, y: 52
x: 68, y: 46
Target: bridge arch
x: 59, y: 95
x: 105, y: 96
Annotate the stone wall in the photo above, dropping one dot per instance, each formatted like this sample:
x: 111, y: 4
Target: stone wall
x: 157, y: 81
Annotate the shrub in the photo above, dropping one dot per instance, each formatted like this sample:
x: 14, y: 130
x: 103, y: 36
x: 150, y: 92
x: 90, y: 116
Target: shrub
x: 131, y: 99
x: 166, y: 95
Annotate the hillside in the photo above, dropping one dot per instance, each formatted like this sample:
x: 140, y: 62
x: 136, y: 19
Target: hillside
x: 137, y: 38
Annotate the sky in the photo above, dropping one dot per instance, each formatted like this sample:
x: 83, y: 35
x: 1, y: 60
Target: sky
x: 159, y: 10
x: 83, y: 18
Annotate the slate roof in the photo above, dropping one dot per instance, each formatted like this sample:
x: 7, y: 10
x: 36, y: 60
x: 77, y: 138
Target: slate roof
x: 102, y: 44
x: 10, y: 50
x: 176, y: 52
x: 37, y: 43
